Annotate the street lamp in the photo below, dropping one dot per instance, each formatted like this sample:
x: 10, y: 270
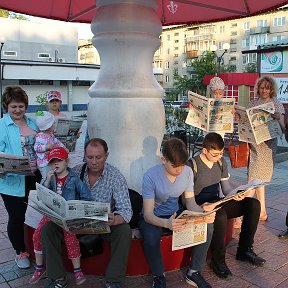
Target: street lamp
x: 2, y: 41
x: 213, y: 48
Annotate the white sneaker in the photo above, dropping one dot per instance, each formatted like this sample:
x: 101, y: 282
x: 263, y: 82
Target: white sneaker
x: 22, y: 260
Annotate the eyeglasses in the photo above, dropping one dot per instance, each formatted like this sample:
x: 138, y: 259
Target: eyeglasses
x: 216, y: 155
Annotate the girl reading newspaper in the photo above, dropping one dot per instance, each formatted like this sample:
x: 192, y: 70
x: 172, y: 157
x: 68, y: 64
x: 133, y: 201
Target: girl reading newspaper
x: 66, y: 183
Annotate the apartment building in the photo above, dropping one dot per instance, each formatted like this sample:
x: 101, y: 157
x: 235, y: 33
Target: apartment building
x: 181, y: 44
x: 43, y: 56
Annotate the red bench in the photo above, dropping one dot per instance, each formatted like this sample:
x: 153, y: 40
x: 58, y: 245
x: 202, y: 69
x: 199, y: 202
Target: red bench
x: 137, y: 263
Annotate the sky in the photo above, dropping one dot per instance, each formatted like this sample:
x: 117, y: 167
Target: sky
x: 84, y: 31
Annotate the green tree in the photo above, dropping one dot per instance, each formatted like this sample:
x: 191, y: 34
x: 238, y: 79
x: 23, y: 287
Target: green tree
x: 250, y: 68
x: 12, y: 15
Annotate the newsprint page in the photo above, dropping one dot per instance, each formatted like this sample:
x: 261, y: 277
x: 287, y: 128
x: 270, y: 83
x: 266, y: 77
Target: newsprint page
x: 14, y: 164
x: 75, y: 216
x: 256, y: 124
x: 67, y: 132
x: 210, y: 114
x: 196, y: 233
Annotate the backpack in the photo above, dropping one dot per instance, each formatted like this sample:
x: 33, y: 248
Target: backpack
x: 210, y: 193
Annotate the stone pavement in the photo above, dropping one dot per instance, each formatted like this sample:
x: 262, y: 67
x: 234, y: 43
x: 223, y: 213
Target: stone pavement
x: 267, y: 245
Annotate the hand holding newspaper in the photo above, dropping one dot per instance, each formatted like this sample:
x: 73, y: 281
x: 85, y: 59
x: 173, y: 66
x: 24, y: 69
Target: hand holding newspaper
x: 15, y: 164
x: 67, y: 131
x: 211, y: 114
x: 76, y: 216
x: 256, y: 124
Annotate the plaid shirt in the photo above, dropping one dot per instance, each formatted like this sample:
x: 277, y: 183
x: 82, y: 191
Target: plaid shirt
x: 111, y: 187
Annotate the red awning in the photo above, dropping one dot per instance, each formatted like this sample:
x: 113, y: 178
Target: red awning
x: 248, y: 79
x: 169, y: 12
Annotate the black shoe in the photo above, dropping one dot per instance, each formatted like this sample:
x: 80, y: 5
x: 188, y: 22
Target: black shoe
x: 59, y: 283
x: 250, y: 256
x: 159, y: 282
x: 196, y: 280
x: 283, y: 235
x: 220, y: 268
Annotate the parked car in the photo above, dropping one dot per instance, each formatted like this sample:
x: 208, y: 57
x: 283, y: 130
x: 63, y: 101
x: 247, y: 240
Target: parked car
x: 185, y: 104
x: 176, y: 105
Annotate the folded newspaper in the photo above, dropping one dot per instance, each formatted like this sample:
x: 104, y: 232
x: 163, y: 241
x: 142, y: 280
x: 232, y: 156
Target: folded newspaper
x: 15, y: 164
x: 241, y: 190
x: 75, y: 216
x: 211, y: 114
x: 67, y: 132
x: 256, y: 124
x: 193, y: 233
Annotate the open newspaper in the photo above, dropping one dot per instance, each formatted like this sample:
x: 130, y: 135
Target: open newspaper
x: 196, y: 233
x: 211, y: 114
x: 75, y: 216
x: 67, y: 132
x: 14, y: 164
x: 256, y: 124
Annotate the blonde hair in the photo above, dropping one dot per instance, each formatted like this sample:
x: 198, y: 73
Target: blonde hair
x: 270, y: 83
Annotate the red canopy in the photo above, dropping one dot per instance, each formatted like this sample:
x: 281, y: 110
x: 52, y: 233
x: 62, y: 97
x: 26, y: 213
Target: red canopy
x: 169, y: 12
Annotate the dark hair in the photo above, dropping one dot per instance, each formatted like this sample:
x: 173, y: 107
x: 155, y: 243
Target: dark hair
x: 270, y: 82
x: 95, y: 142
x: 213, y: 141
x: 175, y: 151
x: 14, y: 93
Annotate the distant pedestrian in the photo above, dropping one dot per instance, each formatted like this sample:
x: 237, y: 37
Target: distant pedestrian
x: 54, y: 101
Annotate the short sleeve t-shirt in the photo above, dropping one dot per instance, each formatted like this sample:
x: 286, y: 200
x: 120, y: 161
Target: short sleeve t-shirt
x: 208, y: 179
x: 157, y: 186
x: 27, y: 136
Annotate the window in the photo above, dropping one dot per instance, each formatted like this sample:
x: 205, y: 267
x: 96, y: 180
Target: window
x: 35, y: 82
x: 233, y: 58
x: 245, y: 59
x: 220, y: 45
x: 233, y: 25
x: 176, y: 34
x: 176, y: 55
x: 176, y: 48
x: 234, y: 33
x: 245, y: 43
x: 43, y: 55
x: 10, y: 53
x: 167, y: 65
x: 168, y: 51
x: 81, y: 83
x: 175, y: 63
x: 233, y: 41
x: 246, y: 26
x: 233, y: 49
x: 168, y: 37
x: 261, y: 23
x: 256, y: 40
x: 279, y: 21
x: 222, y: 29
x: 167, y: 78
x: 278, y: 38
x: 252, y: 58
x: 176, y: 41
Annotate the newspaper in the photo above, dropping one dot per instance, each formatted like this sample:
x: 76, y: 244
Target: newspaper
x: 193, y: 234
x: 211, y: 114
x: 14, y: 164
x: 256, y: 124
x: 76, y: 216
x: 67, y: 131
x: 196, y: 233
x: 241, y: 190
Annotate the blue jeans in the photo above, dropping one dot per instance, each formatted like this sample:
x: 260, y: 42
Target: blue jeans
x: 151, y: 238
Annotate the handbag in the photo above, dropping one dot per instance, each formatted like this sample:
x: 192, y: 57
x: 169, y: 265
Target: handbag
x: 90, y: 244
x: 238, y: 153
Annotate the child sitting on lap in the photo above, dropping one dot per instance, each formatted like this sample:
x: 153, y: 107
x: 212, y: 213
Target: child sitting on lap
x: 68, y: 184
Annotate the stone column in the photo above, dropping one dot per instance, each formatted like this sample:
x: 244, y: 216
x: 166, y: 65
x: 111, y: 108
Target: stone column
x: 126, y: 106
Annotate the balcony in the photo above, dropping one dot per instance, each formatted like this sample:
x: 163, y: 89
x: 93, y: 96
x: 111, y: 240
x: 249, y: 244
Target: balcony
x: 190, y: 69
x: 260, y: 30
x: 192, y: 53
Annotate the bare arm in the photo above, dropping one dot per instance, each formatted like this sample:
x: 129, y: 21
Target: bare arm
x: 172, y: 223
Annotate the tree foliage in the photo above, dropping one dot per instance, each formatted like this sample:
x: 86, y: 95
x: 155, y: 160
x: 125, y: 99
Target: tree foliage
x: 12, y: 15
x: 250, y: 68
